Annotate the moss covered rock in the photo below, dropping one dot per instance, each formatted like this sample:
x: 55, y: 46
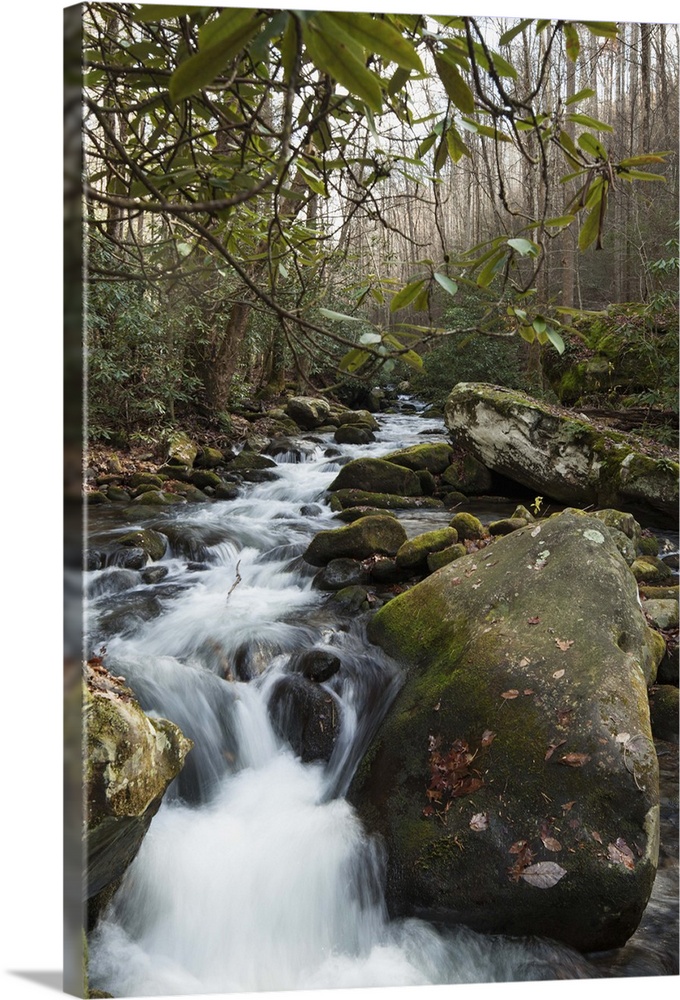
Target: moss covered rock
x: 650, y: 569
x: 351, y: 514
x: 467, y: 475
x: 209, y: 458
x: 158, y: 498
x: 412, y: 555
x: 375, y: 475
x: 130, y: 759
x: 506, y: 525
x: 661, y: 614
x: 146, y: 479
x: 353, y: 434
x: 663, y: 707
x: 152, y: 543
x: 362, y: 417
x: 433, y: 458
x: 181, y: 450
x: 205, y: 477
x: 363, y: 538
x: 468, y: 526
x: 545, y: 449
x: 436, y: 560
x: 514, y: 780
x: 342, y: 499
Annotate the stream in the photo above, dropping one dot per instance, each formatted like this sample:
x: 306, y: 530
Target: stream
x: 256, y: 873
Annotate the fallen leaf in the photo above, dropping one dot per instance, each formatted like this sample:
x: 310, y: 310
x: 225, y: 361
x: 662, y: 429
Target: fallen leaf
x: 528, y: 691
x: 487, y: 738
x: 568, y: 806
x: 437, y: 707
x: 564, y: 716
x: 517, y: 847
x: 564, y: 643
x: 621, y: 854
x: 543, y: 875
x: 428, y: 811
x: 525, y: 661
x: 551, y: 844
x: 533, y: 621
x: 558, y: 674
x: 552, y: 748
x: 509, y: 695
x: 575, y: 759
x: 456, y: 580
x: 595, y: 835
x: 476, y: 585
x: 479, y: 822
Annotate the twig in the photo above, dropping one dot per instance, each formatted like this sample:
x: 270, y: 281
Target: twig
x: 236, y: 581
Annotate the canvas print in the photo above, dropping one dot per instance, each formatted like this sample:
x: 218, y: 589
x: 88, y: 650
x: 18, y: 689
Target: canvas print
x: 380, y: 674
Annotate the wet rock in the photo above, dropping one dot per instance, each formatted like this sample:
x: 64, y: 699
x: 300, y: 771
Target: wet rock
x: 158, y: 498
x: 154, y: 574
x: 248, y: 461
x: 94, y: 497
x: 375, y: 475
x: 534, y: 700
x: 368, y: 535
x: 225, y: 492
x: 306, y: 716
x: 351, y: 514
x: 153, y: 543
x: 310, y: 510
x: 205, y: 477
x: 651, y: 569
x: 353, y: 434
x: 117, y: 494
x: 317, y: 665
x: 383, y: 569
x: 363, y: 417
x: 146, y: 479
x: 340, y: 573
x: 351, y: 600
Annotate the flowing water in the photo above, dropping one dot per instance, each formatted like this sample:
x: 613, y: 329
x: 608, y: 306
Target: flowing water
x: 256, y: 873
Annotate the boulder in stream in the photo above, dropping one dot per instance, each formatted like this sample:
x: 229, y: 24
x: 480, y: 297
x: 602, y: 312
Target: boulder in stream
x: 557, y: 453
x: 130, y: 759
x: 375, y: 475
x: 363, y: 538
x: 308, y: 412
x: 514, y: 780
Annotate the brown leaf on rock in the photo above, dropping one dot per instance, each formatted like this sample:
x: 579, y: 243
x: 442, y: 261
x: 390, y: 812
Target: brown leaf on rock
x: 543, y: 875
x: 509, y: 695
x: 524, y: 858
x: 551, y: 844
x: 558, y: 674
x: 533, y: 621
x: 487, y: 738
x: 595, y: 835
x: 564, y: 644
x: 525, y: 661
x: 568, y: 806
x: 564, y: 716
x: 517, y: 847
x: 575, y: 759
x: 621, y: 854
x: 528, y: 691
x: 553, y: 747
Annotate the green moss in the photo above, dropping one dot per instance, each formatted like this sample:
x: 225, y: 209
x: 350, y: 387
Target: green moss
x: 467, y: 525
x: 413, y: 553
x: 436, y: 560
x: 361, y: 498
x: 433, y: 458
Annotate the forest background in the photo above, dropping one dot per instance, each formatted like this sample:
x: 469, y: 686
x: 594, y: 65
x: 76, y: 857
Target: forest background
x: 30, y: 959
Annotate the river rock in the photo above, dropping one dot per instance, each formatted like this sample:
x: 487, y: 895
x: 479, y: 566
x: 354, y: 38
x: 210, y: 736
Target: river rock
x: 443, y: 557
x: 468, y: 526
x: 130, y: 759
x: 308, y: 412
x: 524, y: 724
x: 210, y: 458
x: 651, y: 569
x: 546, y: 449
x: 413, y: 554
x: 306, y: 716
x: 663, y: 707
x: 315, y: 664
x: 467, y: 475
x: 350, y: 514
x: 375, y: 475
x: 363, y: 538
x: 181, y: 450
x: 661, y: 614
x: 353, y: 434
x: 506, y: 525
x: 201, y: 478
x: 146, y: 479
x: 342, y: 499
x: 362, y: 417
x: 340, y: 573
x: 434, y: 458
x: 158, y: 498
x: 152, y: 543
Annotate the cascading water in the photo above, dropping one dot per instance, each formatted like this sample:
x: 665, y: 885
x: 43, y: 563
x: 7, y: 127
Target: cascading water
x: 256, y: 874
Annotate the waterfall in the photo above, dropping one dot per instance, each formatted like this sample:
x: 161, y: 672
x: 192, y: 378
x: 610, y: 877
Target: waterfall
x: 256, y: 874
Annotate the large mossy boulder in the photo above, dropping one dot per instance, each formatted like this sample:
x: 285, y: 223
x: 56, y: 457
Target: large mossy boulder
x: 545, y: 448
x: 181, y: 450
x: 514, y: 779
x: 363, y: 538
x: 433, y: 458
x: 152, y: 543
x: 130, y: 759
x: 375, y: 475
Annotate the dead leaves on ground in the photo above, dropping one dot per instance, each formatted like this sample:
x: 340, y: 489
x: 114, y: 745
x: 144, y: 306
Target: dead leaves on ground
x: 451, y: 776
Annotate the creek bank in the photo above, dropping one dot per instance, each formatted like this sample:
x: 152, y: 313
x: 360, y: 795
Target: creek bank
x: 514, y: 779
